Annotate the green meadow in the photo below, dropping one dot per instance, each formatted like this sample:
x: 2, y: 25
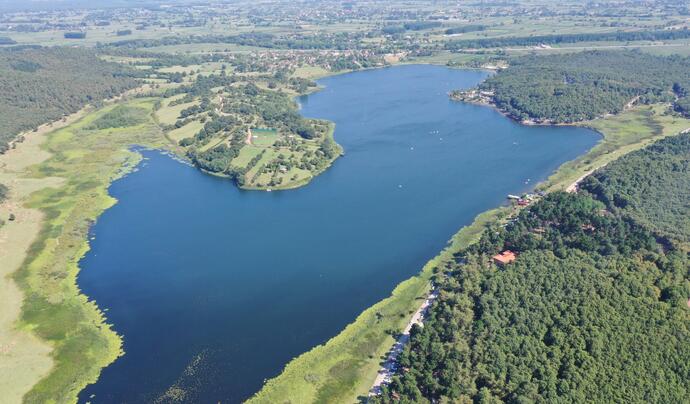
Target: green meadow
x: 88, y: 155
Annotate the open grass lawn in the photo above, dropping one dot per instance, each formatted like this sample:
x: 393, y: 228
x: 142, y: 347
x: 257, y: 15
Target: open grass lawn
x: 263, y: 137
x: 186, y: 131
x: 247, y: 153
x: 310, y: 72
x: 168, y: 115
x: 269, y: 155
x: 213, y: 142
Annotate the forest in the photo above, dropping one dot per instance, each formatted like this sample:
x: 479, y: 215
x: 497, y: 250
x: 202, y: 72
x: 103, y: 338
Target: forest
x: 39, y: 85
x: 258, y: 39
x: 556, y: 39
x: 593, y: 309
x: 580, y: 86
x: 651, y: 185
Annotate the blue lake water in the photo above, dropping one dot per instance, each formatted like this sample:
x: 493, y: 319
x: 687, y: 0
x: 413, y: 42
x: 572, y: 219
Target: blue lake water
x: 215, y: 289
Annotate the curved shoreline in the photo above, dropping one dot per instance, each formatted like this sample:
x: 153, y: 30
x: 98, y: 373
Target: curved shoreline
x: 53, y: 307
x: 565, y: 176
x: 24, y: 358
x: 414, y: 288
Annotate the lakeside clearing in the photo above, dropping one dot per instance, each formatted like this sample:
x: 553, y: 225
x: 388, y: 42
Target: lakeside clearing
x: 621, y: 134
x: 69, y: 192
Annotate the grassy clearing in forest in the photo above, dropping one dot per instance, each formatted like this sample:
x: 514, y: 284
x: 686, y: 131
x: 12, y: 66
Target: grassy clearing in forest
x: 189, y: 130
x: 87, y: 161
x: 622, y: 134
x: 168, y: 114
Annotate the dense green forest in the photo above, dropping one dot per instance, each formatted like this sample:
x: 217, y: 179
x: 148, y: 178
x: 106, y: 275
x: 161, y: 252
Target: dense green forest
x: 578, y: 86
x: 651, y: 185
x: 594, y: 308
x: 554, y: 39
x: 258, y: 39
x: 38, y: 85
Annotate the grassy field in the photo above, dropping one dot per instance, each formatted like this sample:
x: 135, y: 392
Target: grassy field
x: 263, y: 138
x: 24, y: 359
x: 186, y: 131
x: 82, y: 162
x: 168, y: 114
x: 622, y: 133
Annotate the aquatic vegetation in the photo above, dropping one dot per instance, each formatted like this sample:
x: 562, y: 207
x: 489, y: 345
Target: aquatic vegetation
x: 54, y: 309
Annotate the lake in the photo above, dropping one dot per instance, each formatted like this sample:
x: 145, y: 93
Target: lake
x: 215, y: 289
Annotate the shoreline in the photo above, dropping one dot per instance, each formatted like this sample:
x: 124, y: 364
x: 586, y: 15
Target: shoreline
x: 288, y: 186
x: 19, y: 346
x: 464, y: 237
x: 81, y: 347
x: 386, y: 371
x: 414, y: 287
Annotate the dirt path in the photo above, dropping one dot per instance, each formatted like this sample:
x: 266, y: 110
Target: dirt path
x: 248, y: 140
x: 24, y: 359
x: 573, y: 187
x: 390, y: 366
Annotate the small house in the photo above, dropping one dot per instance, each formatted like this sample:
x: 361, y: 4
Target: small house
x: 506, y: 257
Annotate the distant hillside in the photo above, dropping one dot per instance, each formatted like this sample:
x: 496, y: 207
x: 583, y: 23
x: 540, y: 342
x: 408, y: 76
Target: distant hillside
x: 38, y: 85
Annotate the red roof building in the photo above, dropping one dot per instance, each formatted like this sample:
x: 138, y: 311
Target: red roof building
x: 506, y: 257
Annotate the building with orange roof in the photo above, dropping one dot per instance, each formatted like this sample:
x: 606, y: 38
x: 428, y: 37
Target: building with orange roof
x: 506, y: 257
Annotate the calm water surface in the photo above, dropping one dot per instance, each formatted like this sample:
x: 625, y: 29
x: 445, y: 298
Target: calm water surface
x: 215, y: 289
